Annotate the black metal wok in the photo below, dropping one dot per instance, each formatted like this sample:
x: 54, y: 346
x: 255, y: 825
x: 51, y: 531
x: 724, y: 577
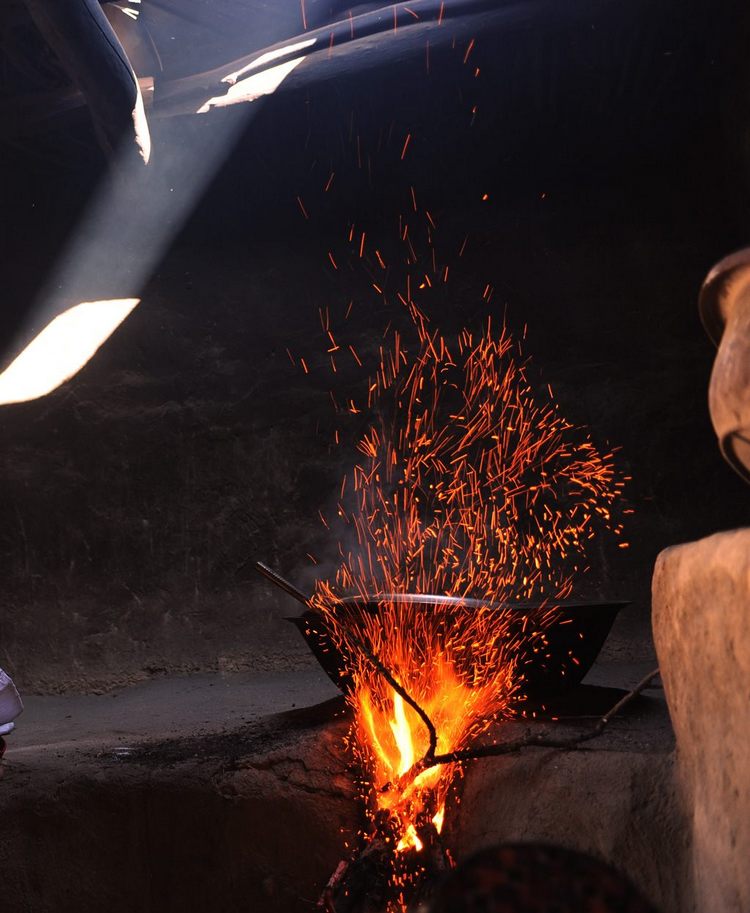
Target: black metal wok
x: 573, y: 638
x: 574, y: 633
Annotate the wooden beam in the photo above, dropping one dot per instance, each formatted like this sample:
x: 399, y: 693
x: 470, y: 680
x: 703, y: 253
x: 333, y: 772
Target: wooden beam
x: 88, y: 48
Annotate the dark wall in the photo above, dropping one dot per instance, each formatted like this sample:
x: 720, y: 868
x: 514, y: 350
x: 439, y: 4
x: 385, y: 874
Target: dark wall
x: 135, y: 498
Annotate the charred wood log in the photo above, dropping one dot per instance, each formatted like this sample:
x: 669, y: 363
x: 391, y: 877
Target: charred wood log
x: 378, y: 874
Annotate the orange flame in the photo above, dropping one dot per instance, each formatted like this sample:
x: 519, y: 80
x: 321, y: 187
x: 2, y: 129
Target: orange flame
x: 391, y: 740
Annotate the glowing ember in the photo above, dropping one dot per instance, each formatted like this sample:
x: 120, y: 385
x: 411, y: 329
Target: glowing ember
x: 470, y: 484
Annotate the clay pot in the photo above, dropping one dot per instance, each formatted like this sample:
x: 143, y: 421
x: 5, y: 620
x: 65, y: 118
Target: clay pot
x: 725, y: 312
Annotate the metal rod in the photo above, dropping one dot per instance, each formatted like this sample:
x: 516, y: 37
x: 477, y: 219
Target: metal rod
x: 282, y: 584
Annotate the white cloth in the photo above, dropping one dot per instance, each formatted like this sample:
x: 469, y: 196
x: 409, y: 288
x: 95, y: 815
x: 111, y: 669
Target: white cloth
x: 11, y: 704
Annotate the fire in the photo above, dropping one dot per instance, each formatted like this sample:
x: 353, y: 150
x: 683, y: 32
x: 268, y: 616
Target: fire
x: 392, y: 740
x: 473, y: 486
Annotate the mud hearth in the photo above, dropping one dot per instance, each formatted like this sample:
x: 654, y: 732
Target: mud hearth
x: 256, y: 815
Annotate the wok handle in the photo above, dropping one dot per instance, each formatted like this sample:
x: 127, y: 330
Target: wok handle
x: 282, y: 584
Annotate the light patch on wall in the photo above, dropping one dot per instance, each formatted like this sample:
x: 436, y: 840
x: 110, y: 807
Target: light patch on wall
x: 62, y: 348
x: 269, y: 57
x: 264, y: 83
x: 140, y: 125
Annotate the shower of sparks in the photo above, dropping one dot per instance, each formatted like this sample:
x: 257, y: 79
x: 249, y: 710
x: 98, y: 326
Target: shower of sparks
x: 470, y: 484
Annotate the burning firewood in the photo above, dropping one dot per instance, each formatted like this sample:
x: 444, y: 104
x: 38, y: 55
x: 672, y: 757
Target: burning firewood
x: 376, y: 878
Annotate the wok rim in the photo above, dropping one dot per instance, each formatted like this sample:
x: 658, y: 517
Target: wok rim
x: 435, y: 600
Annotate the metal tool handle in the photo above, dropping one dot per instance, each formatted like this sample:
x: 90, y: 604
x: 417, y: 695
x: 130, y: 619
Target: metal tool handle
x: 282, y: 584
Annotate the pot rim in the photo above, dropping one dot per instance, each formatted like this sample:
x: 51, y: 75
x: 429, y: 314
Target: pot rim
x: 727, y: 281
